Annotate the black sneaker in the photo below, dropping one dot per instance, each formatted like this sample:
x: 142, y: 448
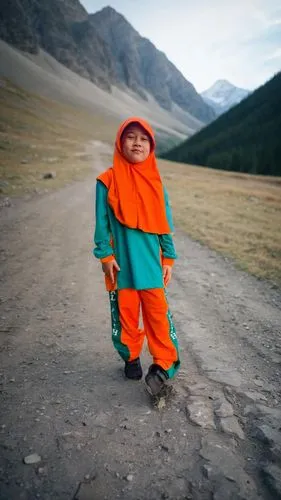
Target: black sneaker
x: 133, y: 369
x: 155, y: 379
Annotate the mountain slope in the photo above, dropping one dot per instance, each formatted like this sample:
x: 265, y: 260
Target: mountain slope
x: 245, y: 139
x: 140, y: 66
x: 101, y: 47
x: 43, y: 75
x: 223, y: 95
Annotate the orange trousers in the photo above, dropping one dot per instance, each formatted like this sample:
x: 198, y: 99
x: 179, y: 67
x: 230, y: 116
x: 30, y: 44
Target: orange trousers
x: 126, y: 305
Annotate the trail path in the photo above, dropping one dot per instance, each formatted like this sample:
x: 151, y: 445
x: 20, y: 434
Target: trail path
x: 63, y: 394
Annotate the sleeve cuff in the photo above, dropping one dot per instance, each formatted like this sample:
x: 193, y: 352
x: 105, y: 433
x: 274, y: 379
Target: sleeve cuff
x: 109, y: 258
x: 167, y: 262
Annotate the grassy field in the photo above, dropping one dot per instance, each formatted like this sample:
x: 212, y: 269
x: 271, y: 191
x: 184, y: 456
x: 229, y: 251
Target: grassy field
x: 38, y: 136
x: 236, y: 214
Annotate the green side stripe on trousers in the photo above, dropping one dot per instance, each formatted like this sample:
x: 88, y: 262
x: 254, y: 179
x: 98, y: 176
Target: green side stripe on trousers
x: 173, y: 335
x: 116, y: 326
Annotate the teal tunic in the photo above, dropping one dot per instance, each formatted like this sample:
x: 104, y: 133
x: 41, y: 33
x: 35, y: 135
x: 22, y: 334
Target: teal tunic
x: 136, y: 252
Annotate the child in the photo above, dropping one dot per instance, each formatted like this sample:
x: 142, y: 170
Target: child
x: 134, y: 243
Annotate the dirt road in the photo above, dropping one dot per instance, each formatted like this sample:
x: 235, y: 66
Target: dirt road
x: 63, y: 394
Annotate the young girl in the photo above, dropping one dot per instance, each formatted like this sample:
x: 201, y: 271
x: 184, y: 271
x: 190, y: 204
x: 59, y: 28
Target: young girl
x: 134, y: 243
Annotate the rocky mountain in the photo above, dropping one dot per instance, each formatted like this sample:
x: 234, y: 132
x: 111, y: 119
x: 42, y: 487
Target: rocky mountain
x: 223, y: 95
x: 101, y: 47
x: 56, y: 27
x: 143, y: 68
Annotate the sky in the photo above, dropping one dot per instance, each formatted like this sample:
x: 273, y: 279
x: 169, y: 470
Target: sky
x: 208, y: 40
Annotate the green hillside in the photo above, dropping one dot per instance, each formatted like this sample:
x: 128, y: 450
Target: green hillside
x: 245, y: 139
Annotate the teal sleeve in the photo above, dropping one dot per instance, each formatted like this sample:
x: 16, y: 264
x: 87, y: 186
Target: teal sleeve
x: 102, y: 234
x: 167, y: 246
x: 166, y: 240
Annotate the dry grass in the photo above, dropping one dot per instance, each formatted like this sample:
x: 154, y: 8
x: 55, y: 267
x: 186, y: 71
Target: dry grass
x: 237, y: 214
x: 38, y: 135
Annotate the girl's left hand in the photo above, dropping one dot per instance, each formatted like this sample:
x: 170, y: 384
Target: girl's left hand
x: 167, y: 274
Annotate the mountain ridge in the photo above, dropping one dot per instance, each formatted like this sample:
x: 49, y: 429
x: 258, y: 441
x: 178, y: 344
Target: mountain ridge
x: 153, y: 71
x: 95, y: 47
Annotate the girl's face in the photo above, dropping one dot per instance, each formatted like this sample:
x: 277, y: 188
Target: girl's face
x: 135, y: 144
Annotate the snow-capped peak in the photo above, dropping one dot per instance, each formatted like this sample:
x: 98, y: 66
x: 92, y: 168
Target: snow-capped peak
x: 222, y: 95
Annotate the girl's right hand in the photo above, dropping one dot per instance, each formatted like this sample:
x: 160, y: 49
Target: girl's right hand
x: 109, y: 268
x: 167, y: 274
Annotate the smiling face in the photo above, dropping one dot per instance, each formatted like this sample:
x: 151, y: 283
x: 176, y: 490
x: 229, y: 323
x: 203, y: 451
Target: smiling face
x: 135, y: 143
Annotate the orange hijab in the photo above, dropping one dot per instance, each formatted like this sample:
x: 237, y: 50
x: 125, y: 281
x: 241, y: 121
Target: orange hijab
x: 135, y: 190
